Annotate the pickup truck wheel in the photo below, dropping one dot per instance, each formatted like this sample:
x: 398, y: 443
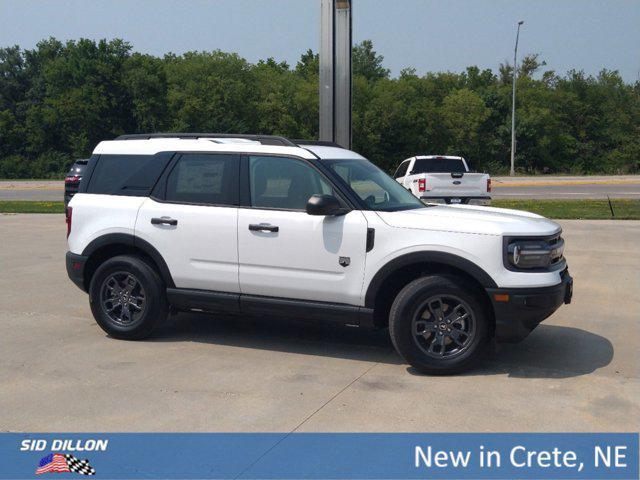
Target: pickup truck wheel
x: 438, y: 325
x: 127, y: 298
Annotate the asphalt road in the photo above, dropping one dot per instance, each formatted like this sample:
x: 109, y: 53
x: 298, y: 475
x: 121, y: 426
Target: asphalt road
x: 579, y: 371
x: 593, y: 191
x: 33, y: 194
x: 504, y: 187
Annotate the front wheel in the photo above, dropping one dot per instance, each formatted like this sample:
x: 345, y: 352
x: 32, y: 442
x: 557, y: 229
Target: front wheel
x: 438, y: 324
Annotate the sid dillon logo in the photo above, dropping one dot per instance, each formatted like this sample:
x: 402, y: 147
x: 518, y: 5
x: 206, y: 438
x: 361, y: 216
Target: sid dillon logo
x: 61, y: 462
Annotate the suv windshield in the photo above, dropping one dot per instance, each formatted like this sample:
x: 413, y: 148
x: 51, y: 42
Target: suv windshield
x: 438, y: 165
x: 374, y: 187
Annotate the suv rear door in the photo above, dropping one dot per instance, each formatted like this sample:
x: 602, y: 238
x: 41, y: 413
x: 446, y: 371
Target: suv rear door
x: 192, y: 219
x: 295, y: 255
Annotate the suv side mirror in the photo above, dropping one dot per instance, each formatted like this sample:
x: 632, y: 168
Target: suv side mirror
x: 325, y: 205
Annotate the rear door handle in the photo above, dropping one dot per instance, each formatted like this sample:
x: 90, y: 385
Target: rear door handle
x: 164, y: 221
x: 263, y: 227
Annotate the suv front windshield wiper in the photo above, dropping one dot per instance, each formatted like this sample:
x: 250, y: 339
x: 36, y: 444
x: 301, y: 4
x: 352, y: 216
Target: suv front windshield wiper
x: 402, y: 207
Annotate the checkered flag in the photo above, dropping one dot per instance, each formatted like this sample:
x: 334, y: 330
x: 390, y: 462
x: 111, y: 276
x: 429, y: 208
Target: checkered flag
x: 79, y: 466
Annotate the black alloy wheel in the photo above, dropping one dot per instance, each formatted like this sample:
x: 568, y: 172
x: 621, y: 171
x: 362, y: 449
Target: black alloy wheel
x: 440, y: 324
x: 122, y: 298
x: 128, y: 297
x: 443, y: 326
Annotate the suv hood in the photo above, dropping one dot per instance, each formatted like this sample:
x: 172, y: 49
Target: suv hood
x: 472, y: 219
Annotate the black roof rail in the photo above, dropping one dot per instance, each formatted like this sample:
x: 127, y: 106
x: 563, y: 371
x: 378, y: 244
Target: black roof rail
x: 319, y: 143
x: 263, y: 139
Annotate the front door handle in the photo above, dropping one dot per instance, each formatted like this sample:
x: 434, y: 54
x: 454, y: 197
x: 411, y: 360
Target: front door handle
x: 164, y: 221
x: 263, y: 227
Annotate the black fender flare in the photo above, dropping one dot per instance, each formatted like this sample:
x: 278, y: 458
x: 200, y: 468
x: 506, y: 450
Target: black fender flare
x: 131, y: 241
x: 443, y: 258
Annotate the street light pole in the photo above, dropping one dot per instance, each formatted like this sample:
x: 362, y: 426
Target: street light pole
x: 513, y: 103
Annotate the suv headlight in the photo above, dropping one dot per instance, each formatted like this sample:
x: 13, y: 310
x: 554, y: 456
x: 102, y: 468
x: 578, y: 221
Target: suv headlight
x: 542, y: 253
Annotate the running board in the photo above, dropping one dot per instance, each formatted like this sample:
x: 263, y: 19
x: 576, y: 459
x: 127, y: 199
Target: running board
x: 224, y: 302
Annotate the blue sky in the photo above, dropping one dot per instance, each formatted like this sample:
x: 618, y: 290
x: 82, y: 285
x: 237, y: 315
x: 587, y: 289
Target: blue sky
x: 430, y: 35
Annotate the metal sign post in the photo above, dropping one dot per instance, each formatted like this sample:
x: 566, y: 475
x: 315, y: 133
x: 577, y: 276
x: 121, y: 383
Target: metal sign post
x: 335, y: 71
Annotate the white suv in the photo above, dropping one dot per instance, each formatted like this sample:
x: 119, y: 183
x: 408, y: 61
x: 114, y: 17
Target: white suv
x: 261, y: 225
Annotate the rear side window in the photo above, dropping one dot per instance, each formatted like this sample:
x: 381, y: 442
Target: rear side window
x: 204, y: 179
x: 402, y: 169
x: 133, y: 175
x: 439, y: 165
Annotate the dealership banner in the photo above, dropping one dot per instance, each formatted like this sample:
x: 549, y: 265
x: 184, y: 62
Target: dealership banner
x: 319, y: 455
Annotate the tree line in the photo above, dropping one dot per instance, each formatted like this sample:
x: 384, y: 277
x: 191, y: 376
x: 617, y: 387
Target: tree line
x: 58, y: 100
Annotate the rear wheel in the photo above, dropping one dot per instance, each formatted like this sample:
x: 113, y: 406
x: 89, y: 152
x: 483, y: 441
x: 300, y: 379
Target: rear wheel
x: 127, y: 297
x: 438, y: 324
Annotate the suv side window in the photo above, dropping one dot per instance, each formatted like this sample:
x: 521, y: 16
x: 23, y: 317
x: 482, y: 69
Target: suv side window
x: 132, y: 175
x: 402, y: 169
x: 284, y: 183
x: 204, y: 179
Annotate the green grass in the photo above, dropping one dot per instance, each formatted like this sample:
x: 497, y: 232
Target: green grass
x: 562, y: 209
x: 576, y: 209
x: 26, y: 206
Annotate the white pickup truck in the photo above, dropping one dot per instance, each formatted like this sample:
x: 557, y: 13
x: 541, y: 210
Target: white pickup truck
x: 438, y: 177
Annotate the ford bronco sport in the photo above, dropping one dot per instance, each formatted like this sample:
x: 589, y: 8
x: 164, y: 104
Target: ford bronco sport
x: 261, y: 225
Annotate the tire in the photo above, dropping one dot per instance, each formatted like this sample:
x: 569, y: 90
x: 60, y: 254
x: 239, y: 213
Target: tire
x: 146, y: 301
x: 438, y: 347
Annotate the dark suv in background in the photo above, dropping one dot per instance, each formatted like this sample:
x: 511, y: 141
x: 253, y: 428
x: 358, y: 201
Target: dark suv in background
x: 72, y: 179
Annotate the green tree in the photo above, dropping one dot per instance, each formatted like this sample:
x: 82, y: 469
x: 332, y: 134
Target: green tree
x: 463, y: 114
x: 309, y: 65
x: 145, y: 80
x: 367, y: 62
x: 210, y: 92
x: 58, y: 100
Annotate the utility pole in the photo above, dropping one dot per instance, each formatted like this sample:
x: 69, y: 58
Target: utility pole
x: 335, y: 71
x: 513, y: 103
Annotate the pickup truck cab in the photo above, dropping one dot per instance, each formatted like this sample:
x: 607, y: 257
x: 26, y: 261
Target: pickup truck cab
x: 438, y: 177
x: 261, y: 225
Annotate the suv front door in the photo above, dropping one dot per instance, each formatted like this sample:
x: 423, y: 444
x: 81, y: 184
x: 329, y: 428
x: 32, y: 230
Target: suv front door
x: 286, y: 253
x: 194, y: 222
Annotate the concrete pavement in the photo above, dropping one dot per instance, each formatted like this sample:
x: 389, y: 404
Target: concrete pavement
x: 579, y: 371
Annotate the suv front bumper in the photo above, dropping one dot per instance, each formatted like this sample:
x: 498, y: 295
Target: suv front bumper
x: 519, y: 310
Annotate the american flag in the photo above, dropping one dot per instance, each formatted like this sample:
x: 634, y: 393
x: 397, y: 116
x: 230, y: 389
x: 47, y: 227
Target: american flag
x: 57, y: 462
x: 54, y: 462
